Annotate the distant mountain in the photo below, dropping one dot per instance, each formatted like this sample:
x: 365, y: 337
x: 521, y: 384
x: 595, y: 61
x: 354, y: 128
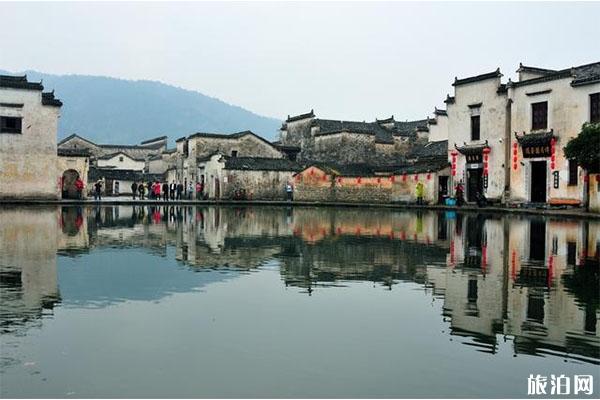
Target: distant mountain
x: 109, y: 110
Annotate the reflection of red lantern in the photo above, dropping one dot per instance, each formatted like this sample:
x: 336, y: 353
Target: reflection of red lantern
x: 416, y: 177
x: 404, y: 177
x: 392, y: 179
x: 597, y: 178
x: 339, y: 180
x: 428, y: 176
x: 378, y: 180
x: 586, y: 178
x: 324, y: 177
x: 312, y: 171
x: 358, y: 180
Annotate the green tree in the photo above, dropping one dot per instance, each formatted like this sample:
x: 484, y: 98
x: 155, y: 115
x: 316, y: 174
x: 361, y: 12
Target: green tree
x: 585, y: 148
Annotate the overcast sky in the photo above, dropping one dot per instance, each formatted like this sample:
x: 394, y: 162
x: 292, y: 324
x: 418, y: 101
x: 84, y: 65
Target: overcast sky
x: 346, y: 60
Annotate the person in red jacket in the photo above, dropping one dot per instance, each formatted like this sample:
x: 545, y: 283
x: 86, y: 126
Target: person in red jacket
x: 79, y: 187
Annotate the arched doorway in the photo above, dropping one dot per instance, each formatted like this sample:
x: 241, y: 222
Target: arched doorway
x: 69, y: 191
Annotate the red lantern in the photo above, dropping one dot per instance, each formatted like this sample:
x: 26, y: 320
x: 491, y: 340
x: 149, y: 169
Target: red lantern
x: 339, y: 180
x: 428, y: 176
x: 514, y: 145
x: 416, y: 177
x: 312, y: 171
x: 552, y: 165
x: 378, y: 180
x: 358, y: 180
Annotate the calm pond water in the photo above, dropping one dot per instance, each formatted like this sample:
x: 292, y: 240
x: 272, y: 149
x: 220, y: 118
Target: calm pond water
x: 306, y: 302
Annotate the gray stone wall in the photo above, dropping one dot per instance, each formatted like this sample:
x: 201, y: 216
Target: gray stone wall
x: 246, y: 146
x: 259, y: 185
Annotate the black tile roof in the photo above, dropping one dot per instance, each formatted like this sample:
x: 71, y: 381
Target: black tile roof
x: 525, y: 68
x: 438, y: 111
x: 385, y: 121
x: 19, y: 82
x: 582, y: 75
x: 430, y: 149
x: 477, y: 78
x: 408, y: 128
x: 73, y: 152
x: 469, y: 149
x: 74, y: 135
x: 449, y: 99
x: 426, y: 165
x: 261, y: 164
x: 586, y: 74
x: 330, y: 126
x: 343, y: 169
x: 121, y: 174
x: 161, y: 138
x: 535, y: 139
x: 310, y: 114
x: 48, y: 99
x: 111, y: 155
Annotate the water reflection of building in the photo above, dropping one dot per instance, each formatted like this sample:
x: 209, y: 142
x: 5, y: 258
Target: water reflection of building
x: 532, y: 280
x: 28, y: 281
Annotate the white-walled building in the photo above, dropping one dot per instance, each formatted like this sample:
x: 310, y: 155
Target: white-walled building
x: 477, y: 135
x: 28, y: 127
x: 120, y: 160
x: 548, y: 108
x: 506, y: 140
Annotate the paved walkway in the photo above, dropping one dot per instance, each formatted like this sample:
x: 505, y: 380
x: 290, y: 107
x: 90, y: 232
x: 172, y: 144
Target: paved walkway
x: 567, y: 212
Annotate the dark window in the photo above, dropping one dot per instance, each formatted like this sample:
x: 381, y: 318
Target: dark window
x: 10, y: 124
x: 595, y: 107
x: 571, y: 253
x: 186, y: 150
x: 539, y: 112
x: 572, y: 173
x: 234, y: 153
x: 535, y: 306
x: 121, y: 158
x: 475, y: 127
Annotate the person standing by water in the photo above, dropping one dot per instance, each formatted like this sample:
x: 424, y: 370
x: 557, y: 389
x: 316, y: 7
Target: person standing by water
x: 172, y: 188
x: 142, y: 190
x: 290, y: 191
x: 79, y: 187
x: 98, y: 190
x: 419, y: 191
x: 190, y: 190
x: 459, y: 191
x: 157, y: 190
x: 179, y: 190
x: 165, y: 191
x: 198, y: 190
x: 134, y: 189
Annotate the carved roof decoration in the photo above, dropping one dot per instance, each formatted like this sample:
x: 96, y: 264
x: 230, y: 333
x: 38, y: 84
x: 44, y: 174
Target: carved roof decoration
x: 477, y: 78
x: 300, y: 117
x: 535, y: 139
x: 471, y: 149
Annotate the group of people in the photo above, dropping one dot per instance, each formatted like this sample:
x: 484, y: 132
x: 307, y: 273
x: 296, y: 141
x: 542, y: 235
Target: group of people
x: 167, y: 191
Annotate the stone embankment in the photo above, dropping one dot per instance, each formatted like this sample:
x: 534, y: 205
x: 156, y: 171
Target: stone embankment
x: 554, y: 212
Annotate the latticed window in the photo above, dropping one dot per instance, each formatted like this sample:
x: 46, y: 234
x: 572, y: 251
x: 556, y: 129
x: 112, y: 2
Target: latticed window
x: 10, y: 125
x: 595, y: 107
x: 572, y: 172
x: 475, y: 132
x: 539, y: 113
